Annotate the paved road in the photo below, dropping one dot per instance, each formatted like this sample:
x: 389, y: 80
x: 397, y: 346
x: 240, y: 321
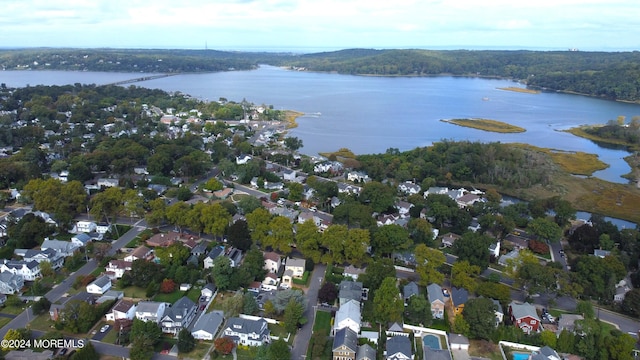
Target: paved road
x: 22, y: 319
x: 301, y: 341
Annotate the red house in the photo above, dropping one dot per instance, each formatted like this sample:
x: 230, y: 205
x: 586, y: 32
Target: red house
x: 524, y: 316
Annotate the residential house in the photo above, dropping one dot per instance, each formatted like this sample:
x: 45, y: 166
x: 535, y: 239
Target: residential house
x: 409, y: 290
x: 208, y: 325
x: 110, y: 295
x: 213, y: 255
x: 524, y: 316
x: 289, y: 175
x: 272, y: 262
x: 348, y: 316
x: 601, y: 253
x: 247, y: 332
x: 365, y: 352
x: 350, y: 290
x: 235, y: 257
x: 81, y: 239
x: 494, y: 250
x: 348, y: 189
x: 403, y: 208
x: 209, y: 291
x: 545, y: 353
x: 178, y: 316
x: 358, y: 176
x: 353, y: 272
x: 106, y: 182
x: 510, y: 258
x: 224, y: 193
x: 293, y: 268
x: 399, y: 348
x: 99, y: 285
x: 458, y: 342
x: 620, y: 293
x: 270, y: 282
x: 408, y: 188
x: 29, y: 271
x: 345, y: 344
x: 141, y: 252
x: 467, y: 200
x: 436, y: 299
x: 568, y: 322
x: 123, y: 309
x: 150, y: 311
x: 199, y: 250
x: 84, y: 227
x: 10, y: 283
x: 458, y: 298
x: 474, y: 225
x: 56, y: 310
x: 102, y: 228
x: 243, y: 159
x: 449, y: 239
x: 163, y: 240
x: 396, y: 329
x: 116, y: 268
x: 53, y: 257
x: 273, y: 185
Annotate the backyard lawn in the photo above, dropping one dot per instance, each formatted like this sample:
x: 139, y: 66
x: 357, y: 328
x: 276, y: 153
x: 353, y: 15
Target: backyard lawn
x: 170, y: 297
x: 323, y: 321
x: 134, y: 292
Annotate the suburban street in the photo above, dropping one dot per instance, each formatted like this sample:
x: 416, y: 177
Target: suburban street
x: 21, y: 320
x: 301, y: 341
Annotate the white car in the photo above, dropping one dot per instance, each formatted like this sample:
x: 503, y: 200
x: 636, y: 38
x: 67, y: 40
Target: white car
x: 104, y: 328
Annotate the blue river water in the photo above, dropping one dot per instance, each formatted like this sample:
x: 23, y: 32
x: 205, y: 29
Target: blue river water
x: 372, y: 114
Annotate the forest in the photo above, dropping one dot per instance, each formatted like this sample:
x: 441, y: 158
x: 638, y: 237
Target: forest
x: 608, y: 75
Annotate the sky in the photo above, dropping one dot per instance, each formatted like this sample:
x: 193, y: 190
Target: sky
x: 322, y: 25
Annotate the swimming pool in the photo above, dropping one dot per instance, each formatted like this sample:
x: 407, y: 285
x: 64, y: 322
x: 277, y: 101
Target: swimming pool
x: 431, y: 341
x: 520, y: 356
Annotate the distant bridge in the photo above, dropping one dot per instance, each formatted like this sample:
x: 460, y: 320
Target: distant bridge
x: 144, y: 78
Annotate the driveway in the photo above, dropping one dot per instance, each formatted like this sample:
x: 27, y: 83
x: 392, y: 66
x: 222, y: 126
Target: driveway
x: 301, y: 341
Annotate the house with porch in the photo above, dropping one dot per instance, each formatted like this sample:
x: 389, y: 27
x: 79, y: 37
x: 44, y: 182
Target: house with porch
x: 345, y: 344
x: 524, y: 316
x: 178, y: 316
x: 247, y: 332
x: 436, y: 300
x: 123, y: 309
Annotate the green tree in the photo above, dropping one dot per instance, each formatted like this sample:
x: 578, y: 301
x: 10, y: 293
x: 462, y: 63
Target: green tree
x: 250, y: 305
x: 565, y: 342
x: 460, y: 325
x: 87, y: 352
x: 292, y: 143
x: 480, y: 315
x: 12, y: 334
x: 293, y: 314
x: 421, y: 231
x: 428, y: 261
x: 247, y: 204
x: 278, y: 350
x: 545, y: 229
x: 186, y: 341
x: 295, y: 191
x: 390, y: 238
x: 239, y: 235
x: 621, y: 347
x: 419, y: 311
x: 258, y: 222
x: 474, y: 248
x: 175, y: 253
x: 156, y: 214
x: 215, y: 219
x: 222, y: 272
x: 253, y: 263
x: 376, y: 272
x: 333, y: 240
x: 356, y: 245
x: 107, y: 204
x: 280, y: 236
x: 213, y: 184
x: 387, y: 304
x: 308, y: 241
x: 464, y: 275
x: 379, y: 196
x: 585, y: 308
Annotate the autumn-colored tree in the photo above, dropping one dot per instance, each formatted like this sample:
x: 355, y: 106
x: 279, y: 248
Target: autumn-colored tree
x: 224, y: 345
x: 86, y: 280
x: 167, y: 286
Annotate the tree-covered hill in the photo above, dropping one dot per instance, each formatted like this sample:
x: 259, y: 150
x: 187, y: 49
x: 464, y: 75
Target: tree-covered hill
x: 610, y: 75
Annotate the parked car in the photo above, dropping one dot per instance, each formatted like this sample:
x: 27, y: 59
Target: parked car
x: 104, y: 328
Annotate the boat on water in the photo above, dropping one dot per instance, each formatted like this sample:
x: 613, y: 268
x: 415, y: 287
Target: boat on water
x: 485, y: 99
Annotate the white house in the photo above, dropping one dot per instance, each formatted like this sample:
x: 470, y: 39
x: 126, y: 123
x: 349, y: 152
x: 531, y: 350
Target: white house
x: 293, y: 268
x: 81, y: 239
x: 117, y: 268
x: 123, y: 309
x: 141, y: 252
x: 212, y: 256
x: 208, y: 291
x: 207, y: 325
x: 53, y: 257
x: 150, y: 311
x: 29, y: 271
x: 64, y: 248
x: 178, y: 316
x: 272, y: 261
x: 102, y: 228
x: 105, y: 182
x: 348, y: 316
x: 243, y: 159
x: 357, y: 176
x: 494, y: 249
x: 270, y: 282
x: 10, y: 283
x: 409, y: 188
x: 247, y: 332
x: 84, y: 227
x: 99, y: 285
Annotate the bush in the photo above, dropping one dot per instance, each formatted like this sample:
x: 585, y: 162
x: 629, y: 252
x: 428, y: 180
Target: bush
x: 538, y: 247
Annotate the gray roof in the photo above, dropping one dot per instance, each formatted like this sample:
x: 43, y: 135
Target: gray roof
x: 180, y: 308
x: 18, y: 264
x: 83, y: 238
x: 410, y: 289
x: 568, y: 321
x: 434, y: 292
x: 399, y: 344
x: 439, y: 354
x: 458, y: 339
x: 520, y: 311
x: 209, y: 322
x: 366, y: 352
x: 102, y: 281
x: 148, y: 306
x: 498, y: 305
x: 246, y: 326
x: 215, y: 252
x: 346, y: 337
x: 459, y: 296
x: 350, y: 290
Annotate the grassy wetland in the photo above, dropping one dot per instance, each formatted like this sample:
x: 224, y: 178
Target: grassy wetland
x: 486, y: 125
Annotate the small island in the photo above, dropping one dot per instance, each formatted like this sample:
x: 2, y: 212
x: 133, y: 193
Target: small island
x: 519, y: 89
x: 487, y: 125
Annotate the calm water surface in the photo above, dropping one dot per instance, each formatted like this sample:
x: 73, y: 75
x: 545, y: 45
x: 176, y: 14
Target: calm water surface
x: 372, y: 114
